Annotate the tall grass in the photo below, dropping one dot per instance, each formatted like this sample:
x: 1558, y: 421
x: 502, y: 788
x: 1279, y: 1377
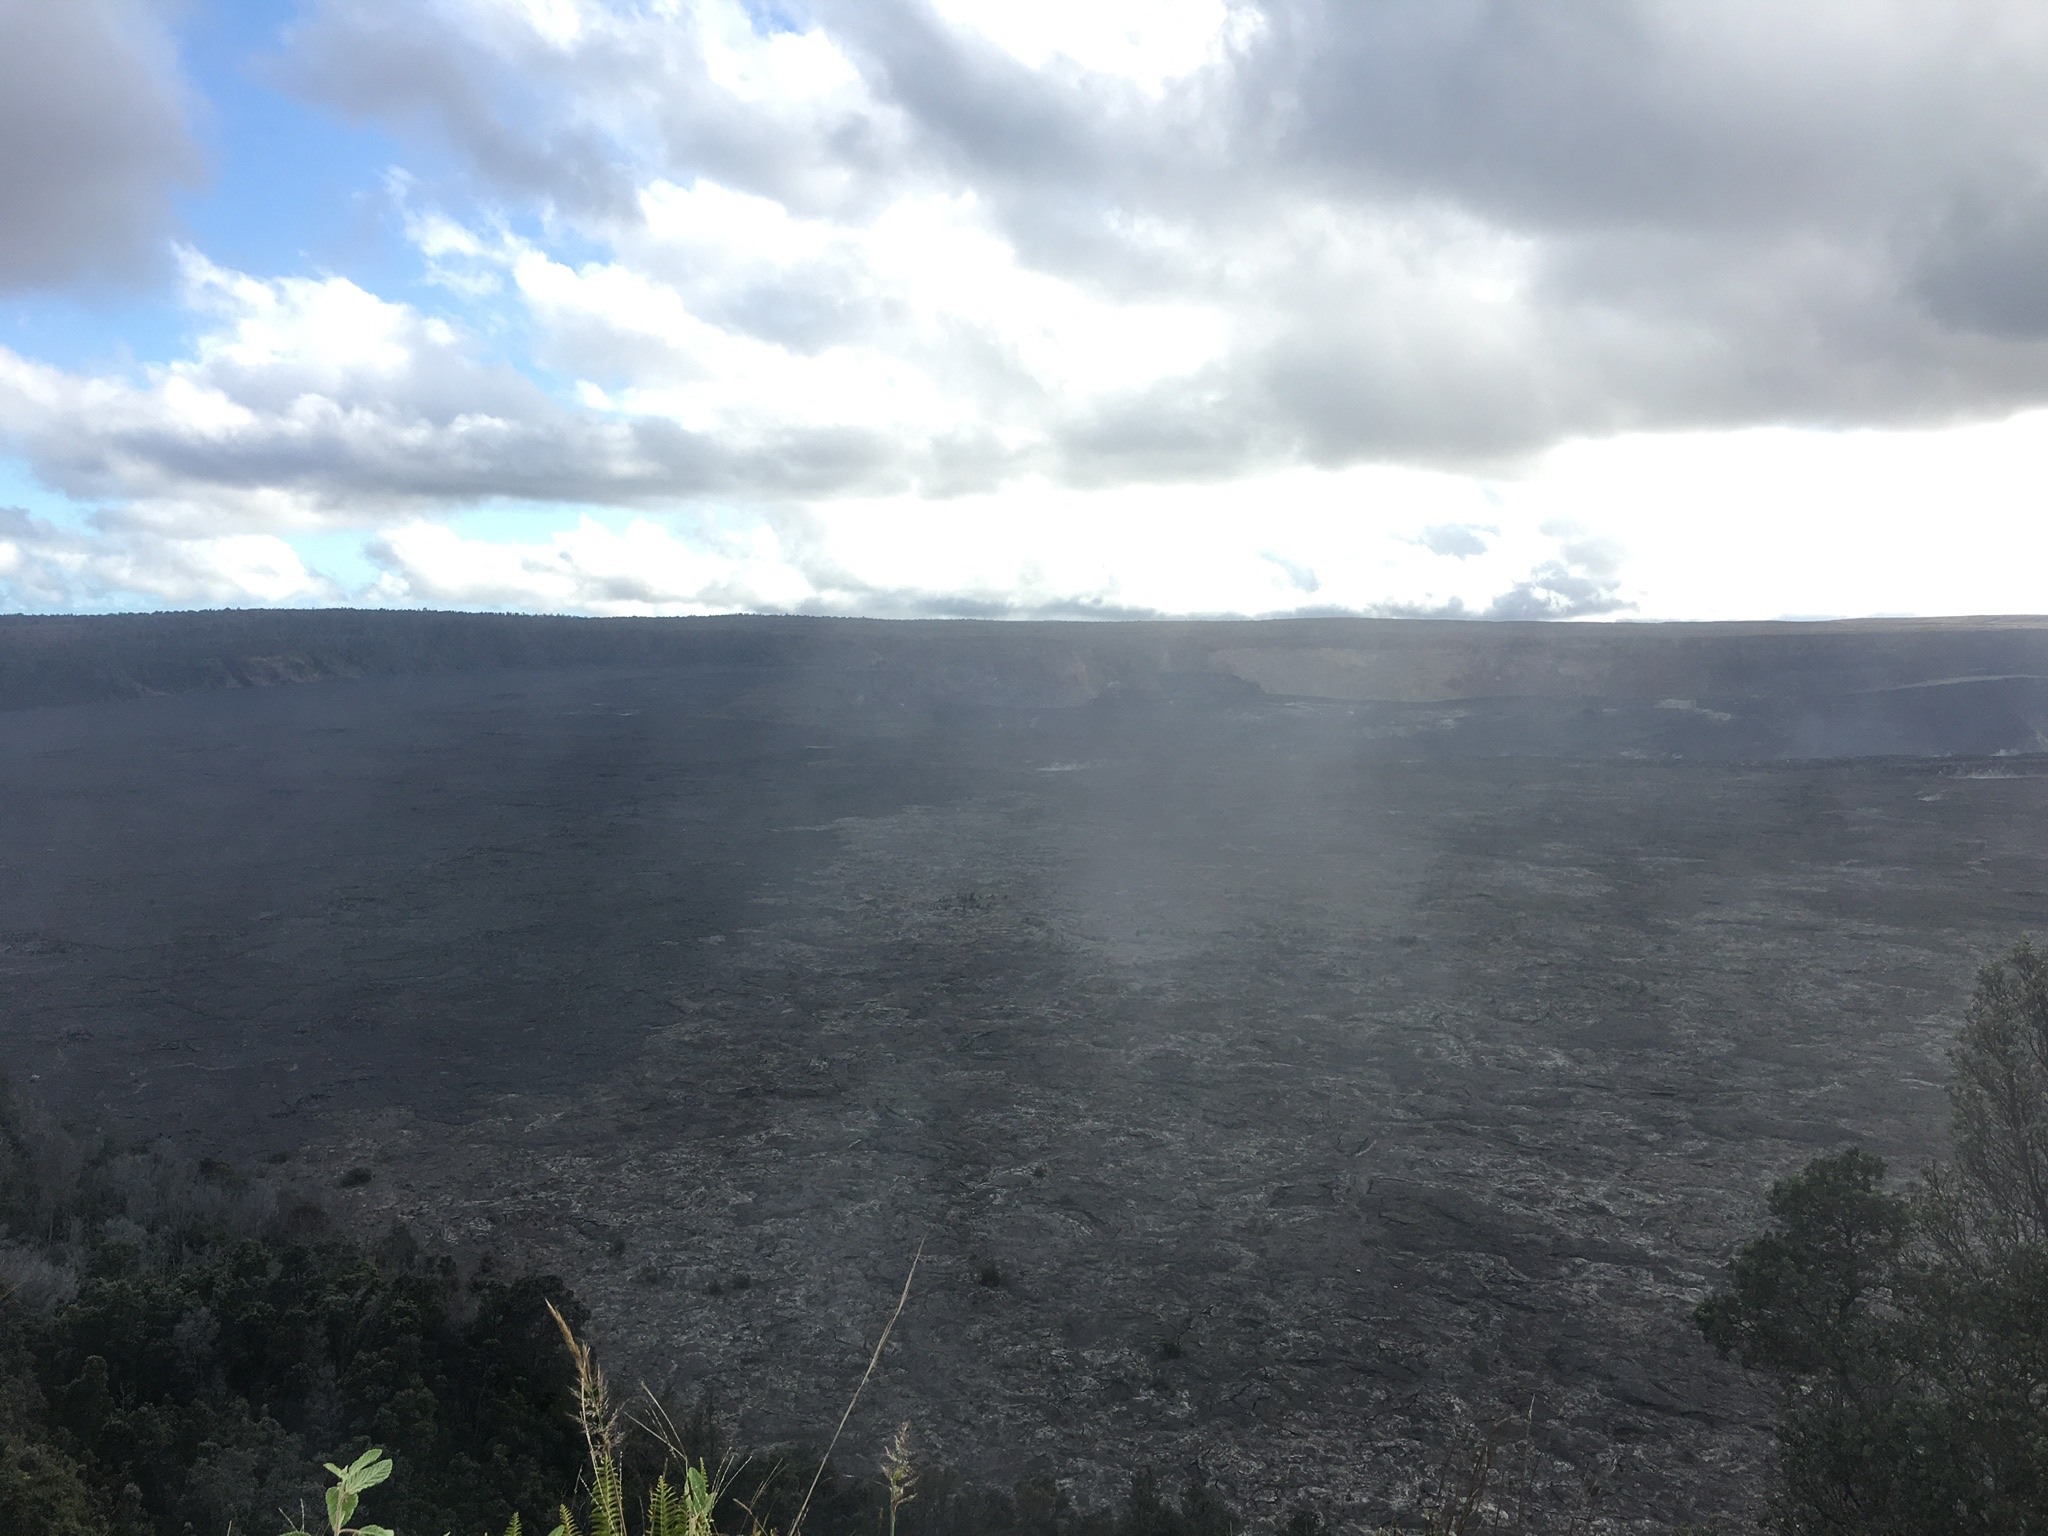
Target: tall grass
x: 1486, y: 1485
x: 689, y: 1509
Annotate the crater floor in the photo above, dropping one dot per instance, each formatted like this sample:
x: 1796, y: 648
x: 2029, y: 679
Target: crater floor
x: 1267, y: 1089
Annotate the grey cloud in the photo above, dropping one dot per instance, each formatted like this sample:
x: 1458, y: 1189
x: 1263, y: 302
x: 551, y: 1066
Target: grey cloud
x: 1555, y: 591
x: 1457, y: 540
x: 445, y: 425
x: 979, y: 112
x: 1605, y: 112
x: 408, y: 583
x: 1721, y: 209
x: 579, y: 127
x: 1347, y: 390
x: 1201, y: 428
x: 1585, y: 551
x: 1581, y: 583
x: 499, y: 104
x: 353, y: 463
x: 92, y: 139
x: 805, y: 313
x: 1985, y: 268
x: 1705, y: 215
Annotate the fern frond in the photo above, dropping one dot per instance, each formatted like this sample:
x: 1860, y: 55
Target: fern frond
x: 607, y: 1499
x: 664, y: 1510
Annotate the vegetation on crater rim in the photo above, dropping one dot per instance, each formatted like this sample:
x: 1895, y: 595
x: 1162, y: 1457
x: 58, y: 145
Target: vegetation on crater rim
x: 1909, y: 1326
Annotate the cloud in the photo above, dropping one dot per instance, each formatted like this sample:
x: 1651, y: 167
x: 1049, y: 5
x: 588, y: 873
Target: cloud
x: 1760, y: 524
x: 1455, y: 233
x: 1557, y: 590
x: 643, y: 568
x: 1301, y: 576
x: 729, y: 349
x: 314, y: 401
x: 1460, y: 541
x: 577, y: 106
x: 1981, y: 269
x: 1136, y: 553
x: 45, y: 567
x: 93, y: 137
x: 711, y: 285
x: 1583, y: 582
x: 1147, y: 42
x: 897, y: 248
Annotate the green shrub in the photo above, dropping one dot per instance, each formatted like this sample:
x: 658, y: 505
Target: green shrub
x: 42, y: 1489
x: 1909, y: 1329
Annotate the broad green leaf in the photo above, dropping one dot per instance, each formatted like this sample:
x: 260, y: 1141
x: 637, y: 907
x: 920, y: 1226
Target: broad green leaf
x: 362, y: 1477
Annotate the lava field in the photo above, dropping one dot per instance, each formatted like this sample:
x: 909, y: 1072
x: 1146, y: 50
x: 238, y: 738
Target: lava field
x: 1294, y: 1046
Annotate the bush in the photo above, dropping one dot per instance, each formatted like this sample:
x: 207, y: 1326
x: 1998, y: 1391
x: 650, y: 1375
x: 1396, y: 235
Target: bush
x: 177, y: 1352
x: 1909, y: 1330
x: 212, y: 1387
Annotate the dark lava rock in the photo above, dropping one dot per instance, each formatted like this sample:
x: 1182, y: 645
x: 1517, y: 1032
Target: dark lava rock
x: 1331, y: 1036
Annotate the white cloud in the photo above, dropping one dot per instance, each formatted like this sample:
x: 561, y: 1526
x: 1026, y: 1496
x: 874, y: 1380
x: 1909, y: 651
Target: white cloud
x: 559, y: 22
x: 309, y: 396
x: 313, y: 401
x: 1036, y: 550
x: 643, y: 568
x: 728, y: 314
x: 942, y: 305
x: 1771, y: 523
x: 118, y: 565
x: 1316, y: 234
x: 1149, y: 42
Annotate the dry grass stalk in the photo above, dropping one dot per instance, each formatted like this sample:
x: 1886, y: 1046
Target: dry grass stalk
x: 875, y: 1359
x: 899, y: 1474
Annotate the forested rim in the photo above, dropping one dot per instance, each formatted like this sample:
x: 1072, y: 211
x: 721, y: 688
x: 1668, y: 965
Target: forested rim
x: 185, y: 1350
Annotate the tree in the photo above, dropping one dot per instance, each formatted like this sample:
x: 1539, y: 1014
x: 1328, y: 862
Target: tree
x: 1997, y: 1193
x: 1909, y: 1330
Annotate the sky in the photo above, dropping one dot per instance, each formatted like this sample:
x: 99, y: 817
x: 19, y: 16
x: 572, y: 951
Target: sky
x: 1621, y: 309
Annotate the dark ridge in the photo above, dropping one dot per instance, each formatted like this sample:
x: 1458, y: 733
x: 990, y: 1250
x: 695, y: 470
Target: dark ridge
x: 69, y: 659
